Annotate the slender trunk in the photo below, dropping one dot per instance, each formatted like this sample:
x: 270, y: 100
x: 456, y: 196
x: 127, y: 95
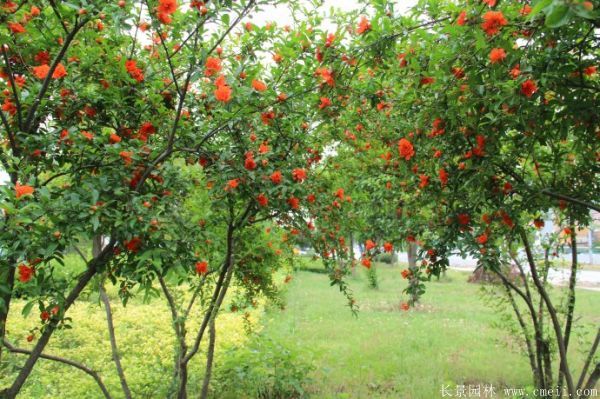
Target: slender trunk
x: 571, y: 296
x: 537, y: 377
x: 352, y: 261
x: 96, y: 250
x: 180, y: 333
x: 83, y: 281
x: 411, y: 253
x: 536, y: 326
x: 212, y: 314
x: 593, y: 380
x: 113, y: 343
x: 183, y: 378
x: 217, y: 299
x: 546, y: 357
x: 7, y: 279
x: 210, y: 354
x: 544, y: 353
x: 589, y: 359
x: 537, y: 320
x: 553, y: 316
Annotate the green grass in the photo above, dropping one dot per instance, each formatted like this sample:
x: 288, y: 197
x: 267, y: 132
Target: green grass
x: 388, y: 353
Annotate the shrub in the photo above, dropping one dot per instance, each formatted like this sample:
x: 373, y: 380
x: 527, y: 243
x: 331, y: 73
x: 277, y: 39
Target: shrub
x: 263, y: 369
x: 372, y: 277
x: 389, y: 258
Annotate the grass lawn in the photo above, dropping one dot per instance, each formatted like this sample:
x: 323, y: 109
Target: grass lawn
x: 388, y: 353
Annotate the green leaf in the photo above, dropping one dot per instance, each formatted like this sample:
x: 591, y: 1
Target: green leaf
x: 27, y: 308
x: 225, y: 19
x: 559, y: 16
x: 539, y: 6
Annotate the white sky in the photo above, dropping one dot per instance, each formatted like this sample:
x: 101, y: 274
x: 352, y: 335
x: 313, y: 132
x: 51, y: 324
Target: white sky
x: 282, y: 16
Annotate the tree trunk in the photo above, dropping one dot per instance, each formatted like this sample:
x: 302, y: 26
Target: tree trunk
x: 215, y: 303
x: 113, y: 343
x: 96, y: 250
x: 571, y: 297
x: 352, y: 261
x: 412, y: 266
x: 411, y: 252
x: 593, y: 380
x: 537, y: 377
x: 210, y: 354
x: 589, y: 359
x: 7, y: 280
x: 553, y: 316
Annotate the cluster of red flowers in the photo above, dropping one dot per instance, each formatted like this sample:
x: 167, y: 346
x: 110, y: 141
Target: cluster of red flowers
x: 250, y: 163
x: 493, y: 21
x: 41, y: 71
x: 146, y: 130
x: 16, y: 27
x: 133, y: 245
x: 369, y: 245
x: 529, y: 88
x: 262, y: 200
x: 405, y: 148
x: 482, y: 239
x: 438, y: 128
x: 443, y: 175
x: 325, y: 102
x: 299, y: 175
x: 363, y: 25
x: 293, y: 202
x: 479, y: 150
x: 21, y: 191
x: 133, y: 70
x: 267, y: 117
x: 165, y: 9
x: 462, y: 18
x: 276, y: 177
x: 424, y: 181
x: 258, y: 85
x: 222, y: 92
x: 497, y: 55
x: 126, y: 156
x: 9, y: 106
x: 202, y: 267
x: 25, y: 273
x: 326, y: 74
x: 213, y: 66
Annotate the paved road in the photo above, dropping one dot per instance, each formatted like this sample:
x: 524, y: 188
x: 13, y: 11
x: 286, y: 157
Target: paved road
x: 585, y: 278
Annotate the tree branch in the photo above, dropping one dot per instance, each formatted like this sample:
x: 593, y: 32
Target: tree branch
x: 46, y: 84
x: 13, y: 85
x: 68, y: 362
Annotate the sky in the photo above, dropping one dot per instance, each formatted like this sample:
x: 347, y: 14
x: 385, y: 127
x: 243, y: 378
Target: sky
x: 282, y: 16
